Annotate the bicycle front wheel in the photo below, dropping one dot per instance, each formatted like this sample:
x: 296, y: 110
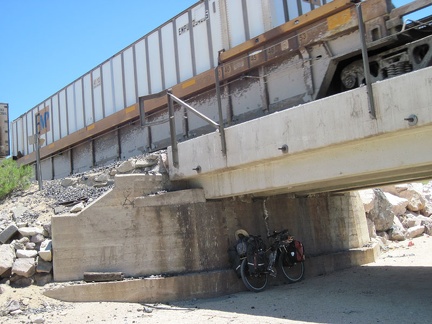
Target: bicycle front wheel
x: 254, y: 282
x: 293, y: 271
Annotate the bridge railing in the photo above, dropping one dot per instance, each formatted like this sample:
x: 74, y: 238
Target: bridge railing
x: 171, y: 99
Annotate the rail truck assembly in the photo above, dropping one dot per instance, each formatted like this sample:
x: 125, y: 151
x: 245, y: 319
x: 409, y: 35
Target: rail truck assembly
x: 231, y: 60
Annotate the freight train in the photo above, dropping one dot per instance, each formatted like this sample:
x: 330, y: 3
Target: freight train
x: 232, y: 61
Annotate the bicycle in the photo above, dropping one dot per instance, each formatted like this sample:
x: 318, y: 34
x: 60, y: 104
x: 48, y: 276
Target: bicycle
x: 259, y: 261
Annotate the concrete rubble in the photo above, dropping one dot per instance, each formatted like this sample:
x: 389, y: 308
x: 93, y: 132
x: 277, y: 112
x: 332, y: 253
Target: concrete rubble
x: 397, y: 212
x: 25, y: 229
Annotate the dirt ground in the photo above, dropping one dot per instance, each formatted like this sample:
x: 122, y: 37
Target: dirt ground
x: 397, y: 288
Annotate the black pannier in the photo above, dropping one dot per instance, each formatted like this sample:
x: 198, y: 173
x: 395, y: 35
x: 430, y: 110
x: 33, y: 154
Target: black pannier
x: 256, y: 256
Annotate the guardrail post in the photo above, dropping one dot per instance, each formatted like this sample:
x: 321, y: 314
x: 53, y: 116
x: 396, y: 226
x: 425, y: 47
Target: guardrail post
x: 38, y: 162
x: 365, y: 61
x: 219, y: 101
x: 174, y: 147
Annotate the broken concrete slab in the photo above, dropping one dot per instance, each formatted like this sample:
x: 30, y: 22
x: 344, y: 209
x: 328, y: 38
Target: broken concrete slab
x: 24, y: 267
x: 30, y: 231
x: 7, y: 233
x: 26, y: 253
x: 45, y: 251
x: 7, y: 257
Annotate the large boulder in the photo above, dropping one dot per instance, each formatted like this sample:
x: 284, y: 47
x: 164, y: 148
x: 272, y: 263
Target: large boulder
x: 26, y: 253
x: 77, y: 208
x: 371, y: 228
x: 24, y: 267
x: 399, y: 205
x: 43, y: 266
x: 7, y: 258
x: 397, y: 232
x: 367, y: 196
x: 45, y: 251
x: 394, y: 189
x: 7, y: 233
x: 38, y: 238
x: 30, y: 231
x: 147, y: 161
x: 414, y: 195
x: 126, y: 166
x: 427, y: 210
x: 67, y: 182
x: 415, y: 231
x: 381, y: 214
x: 18, y: 211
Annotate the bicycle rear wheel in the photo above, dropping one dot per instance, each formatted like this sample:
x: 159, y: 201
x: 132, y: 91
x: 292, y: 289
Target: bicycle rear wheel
x: 293, y: 271
x: 253, y: 282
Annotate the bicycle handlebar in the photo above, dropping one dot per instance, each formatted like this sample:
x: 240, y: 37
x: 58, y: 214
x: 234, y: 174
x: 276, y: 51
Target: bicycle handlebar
x: 276, y: 233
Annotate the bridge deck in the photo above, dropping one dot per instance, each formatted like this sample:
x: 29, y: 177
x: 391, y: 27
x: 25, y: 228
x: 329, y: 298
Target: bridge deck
x: 332, y: 145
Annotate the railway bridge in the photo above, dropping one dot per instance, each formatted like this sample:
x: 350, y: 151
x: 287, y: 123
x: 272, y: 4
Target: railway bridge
x: 292, y: 153
x: 329, y: 145
x: 296, y: 168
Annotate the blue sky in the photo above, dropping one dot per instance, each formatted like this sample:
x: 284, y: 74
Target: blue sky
x: 47, y: 44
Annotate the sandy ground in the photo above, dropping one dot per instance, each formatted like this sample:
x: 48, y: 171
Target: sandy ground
x: 397, y: 288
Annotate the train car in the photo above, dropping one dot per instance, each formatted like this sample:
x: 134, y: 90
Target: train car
x: 244, y: 58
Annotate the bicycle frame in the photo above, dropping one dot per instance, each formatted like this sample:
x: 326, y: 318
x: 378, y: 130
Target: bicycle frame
x: 255, y: 276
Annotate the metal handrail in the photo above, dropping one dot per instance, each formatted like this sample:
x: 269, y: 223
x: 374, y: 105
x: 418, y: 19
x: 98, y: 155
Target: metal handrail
x: 171, y: 99
x: 365, y: 57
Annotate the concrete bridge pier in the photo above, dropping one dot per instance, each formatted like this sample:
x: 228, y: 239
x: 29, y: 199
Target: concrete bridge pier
x: 184, y: 237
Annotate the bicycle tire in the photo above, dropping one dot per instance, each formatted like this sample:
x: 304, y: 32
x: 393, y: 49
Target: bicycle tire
x: 253, y: 282
x: 293, y: 271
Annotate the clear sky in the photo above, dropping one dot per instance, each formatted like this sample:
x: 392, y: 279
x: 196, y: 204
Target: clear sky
x: 47, y: 44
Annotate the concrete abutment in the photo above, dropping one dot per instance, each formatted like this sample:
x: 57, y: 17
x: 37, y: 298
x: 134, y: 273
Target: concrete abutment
x: 181, y: 237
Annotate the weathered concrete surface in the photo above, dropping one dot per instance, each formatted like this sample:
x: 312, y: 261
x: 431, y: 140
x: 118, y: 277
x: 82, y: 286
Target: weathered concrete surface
x: 122, y: 233
x: 140, y: 241
x: 166, y: 289
x: 333, y: 144
x: 198, y: 285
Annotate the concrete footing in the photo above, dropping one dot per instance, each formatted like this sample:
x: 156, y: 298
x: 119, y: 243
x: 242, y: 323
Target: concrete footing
x: 199, y: 285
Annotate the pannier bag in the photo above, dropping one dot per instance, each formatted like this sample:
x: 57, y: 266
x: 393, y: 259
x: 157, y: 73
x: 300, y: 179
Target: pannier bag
x: 241, y: 246
x: 255, y: 255
x: 300, y: 251
x: 237, y: 252
x: 295, y: 251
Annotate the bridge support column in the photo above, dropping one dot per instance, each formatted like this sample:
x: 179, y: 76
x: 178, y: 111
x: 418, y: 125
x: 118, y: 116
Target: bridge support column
x: 325, y: 223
